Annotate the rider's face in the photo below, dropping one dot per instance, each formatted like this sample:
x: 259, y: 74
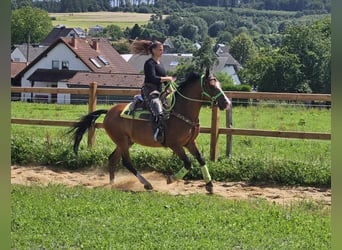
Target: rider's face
x: 158, y: 51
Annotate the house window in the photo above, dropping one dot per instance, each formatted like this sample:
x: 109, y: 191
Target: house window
x: 174, y: 63
x: 96, y: 63
x: 55, y: 64
x: 65, y: 64
x: 103, y: 60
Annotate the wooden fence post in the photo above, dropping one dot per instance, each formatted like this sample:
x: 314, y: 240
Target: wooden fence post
x: 214, y: 133
x: 229, y: 137
x: 92, y: 108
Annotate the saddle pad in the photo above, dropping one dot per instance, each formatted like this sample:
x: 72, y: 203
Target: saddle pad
x: 136, y: 114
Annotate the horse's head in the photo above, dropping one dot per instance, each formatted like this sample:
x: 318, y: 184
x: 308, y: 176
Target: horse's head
x: 211, y: 89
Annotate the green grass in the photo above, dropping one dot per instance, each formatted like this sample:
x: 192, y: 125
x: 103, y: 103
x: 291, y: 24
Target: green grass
x: 254, y: 159
x: 57, y: 217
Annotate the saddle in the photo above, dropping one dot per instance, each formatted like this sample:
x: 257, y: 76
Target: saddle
x: 138, y: 110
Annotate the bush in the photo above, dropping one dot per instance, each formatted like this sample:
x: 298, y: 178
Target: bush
x: 242, y: 87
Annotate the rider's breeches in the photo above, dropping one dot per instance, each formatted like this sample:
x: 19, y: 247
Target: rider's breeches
x: 154, y: 104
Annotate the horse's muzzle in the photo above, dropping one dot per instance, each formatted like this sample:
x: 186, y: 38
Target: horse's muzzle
x: 224, y: 103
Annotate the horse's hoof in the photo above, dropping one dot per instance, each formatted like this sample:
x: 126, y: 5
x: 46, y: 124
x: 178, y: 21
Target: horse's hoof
x: 170, y: 179
x: 148, y: 186
x: 209, y: 187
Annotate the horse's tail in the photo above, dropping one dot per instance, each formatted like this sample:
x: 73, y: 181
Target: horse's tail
x: 79, y: 128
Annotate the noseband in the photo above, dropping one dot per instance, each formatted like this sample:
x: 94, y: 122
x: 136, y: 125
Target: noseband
x: 213, y: 99
x: 205, y: 93
x: 194, y: 124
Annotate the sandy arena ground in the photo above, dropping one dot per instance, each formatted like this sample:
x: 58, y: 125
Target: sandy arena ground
x: 126, y: 181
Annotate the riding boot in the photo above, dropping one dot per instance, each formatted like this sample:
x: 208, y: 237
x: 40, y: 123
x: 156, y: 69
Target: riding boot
x: 158, y: 119
x: 158, y: 128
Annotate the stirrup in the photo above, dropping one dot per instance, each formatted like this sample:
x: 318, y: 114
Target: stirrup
x: 158, y: 135
x: 155, y: 135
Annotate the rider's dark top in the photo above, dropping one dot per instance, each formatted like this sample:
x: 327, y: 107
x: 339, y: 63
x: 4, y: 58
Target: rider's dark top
x: 153, y: 72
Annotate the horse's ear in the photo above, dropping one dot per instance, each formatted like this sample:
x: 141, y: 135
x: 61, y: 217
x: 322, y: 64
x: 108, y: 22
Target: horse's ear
x: 207, y: 73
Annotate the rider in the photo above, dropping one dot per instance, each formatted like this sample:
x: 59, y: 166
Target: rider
x: 155, y: 76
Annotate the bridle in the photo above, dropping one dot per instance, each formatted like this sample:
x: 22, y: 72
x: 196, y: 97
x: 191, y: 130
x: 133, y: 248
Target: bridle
x: 212, y: 100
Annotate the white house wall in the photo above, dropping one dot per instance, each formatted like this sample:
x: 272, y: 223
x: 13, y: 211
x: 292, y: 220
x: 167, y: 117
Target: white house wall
x: 229, y: 70
x: 63, y: 98
x: 40, y: 96
x: 17, y: 56
x: 62, y: 53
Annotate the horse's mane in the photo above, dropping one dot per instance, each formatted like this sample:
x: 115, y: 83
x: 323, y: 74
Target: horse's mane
x: 190, y: 78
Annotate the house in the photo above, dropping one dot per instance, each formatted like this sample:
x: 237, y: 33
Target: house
x: 106, y: 80
x: 118, y: 3
x: 16, y: 68
x: 170, y: 61
x: 226, y: 63
x: 67, y: 57
x: 95, y: 30
x: 62, y: 31
x: 26, y: 53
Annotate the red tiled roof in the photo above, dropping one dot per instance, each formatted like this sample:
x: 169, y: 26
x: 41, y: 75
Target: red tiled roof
x: 86, y: 49
x: 17, y: 67
x: 108, y: 80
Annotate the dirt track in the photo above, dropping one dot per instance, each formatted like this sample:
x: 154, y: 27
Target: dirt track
x: 126, y: 181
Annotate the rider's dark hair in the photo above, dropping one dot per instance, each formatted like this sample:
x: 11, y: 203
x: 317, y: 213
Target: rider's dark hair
x: 144, y: 47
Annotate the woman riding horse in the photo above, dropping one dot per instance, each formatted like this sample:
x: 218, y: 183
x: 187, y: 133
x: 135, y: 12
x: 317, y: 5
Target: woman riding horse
x: 155, y: 76
x: 183, y: 128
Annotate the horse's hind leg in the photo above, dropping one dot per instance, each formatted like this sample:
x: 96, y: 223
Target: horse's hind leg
x: 113, y: 159
x: 127, y: 162
x: 192, y: 147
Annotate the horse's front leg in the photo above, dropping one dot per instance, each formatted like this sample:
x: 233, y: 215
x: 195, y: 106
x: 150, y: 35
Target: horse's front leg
x: 192, y: 147
x: 179, y: 151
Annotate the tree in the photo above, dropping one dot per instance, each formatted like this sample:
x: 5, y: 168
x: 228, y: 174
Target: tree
x: 29, y: 25
x: 135, y: 32
x: 182, y: 45
x: 312, y: 45
x: 113, y: 31
x: 174, y: 22
x: 225, y: 79
x: 224, y: 37
x: 216, y: 28
x: 189, y: 31
x: 242, y: 48
x: 121, y: 46
x: 150, y: 34
x: 205, y: 58
x: 275, y: 71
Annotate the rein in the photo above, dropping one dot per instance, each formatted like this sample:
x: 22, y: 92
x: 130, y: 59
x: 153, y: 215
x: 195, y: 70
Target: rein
x: 183, y: 118
x: 174, y: 87
x: 204, y: 93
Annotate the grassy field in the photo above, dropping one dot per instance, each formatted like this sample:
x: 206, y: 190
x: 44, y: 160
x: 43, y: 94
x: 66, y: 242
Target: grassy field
x: 85, y: 20
x: 58, y: 217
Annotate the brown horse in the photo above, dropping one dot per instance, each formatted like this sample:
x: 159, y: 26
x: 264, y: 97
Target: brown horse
x: 182, y: 128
